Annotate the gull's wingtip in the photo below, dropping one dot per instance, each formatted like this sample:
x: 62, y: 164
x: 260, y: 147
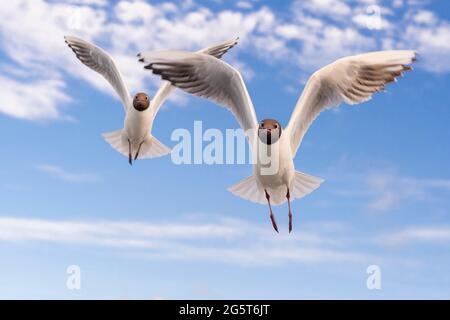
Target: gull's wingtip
x: 70, y: 38
x: 416, y: 56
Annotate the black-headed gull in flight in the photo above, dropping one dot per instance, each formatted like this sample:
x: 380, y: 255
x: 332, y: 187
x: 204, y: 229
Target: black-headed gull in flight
x: 352, y: 79
x: 134, y: 140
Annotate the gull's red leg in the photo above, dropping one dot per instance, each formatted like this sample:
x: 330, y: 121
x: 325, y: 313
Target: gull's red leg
x: 130, y: 159
x: 272, y: 217
x: 288, y: 196
x: 138, y: 150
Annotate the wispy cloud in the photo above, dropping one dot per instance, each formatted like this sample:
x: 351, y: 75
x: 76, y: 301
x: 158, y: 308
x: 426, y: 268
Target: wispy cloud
x: 389, y: 190
x: 224, y: 240
x: 63, y: 174
x: 385, y: 189
x: 418, y: 234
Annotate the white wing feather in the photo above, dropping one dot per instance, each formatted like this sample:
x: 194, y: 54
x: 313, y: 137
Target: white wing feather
x: 166, y: 88
x: 205, y: 76
x: 352, y: 80
x: 98, y: 60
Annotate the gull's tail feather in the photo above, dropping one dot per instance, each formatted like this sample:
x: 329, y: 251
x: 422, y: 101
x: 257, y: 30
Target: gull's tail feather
x: 249, y: 189
x: 118, y: 141
x: 152, y: 148
x: 304, y: 184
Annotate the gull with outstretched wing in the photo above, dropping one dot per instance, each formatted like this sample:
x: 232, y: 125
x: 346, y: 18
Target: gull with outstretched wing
x: 135, y: 139
x: 352, y: 80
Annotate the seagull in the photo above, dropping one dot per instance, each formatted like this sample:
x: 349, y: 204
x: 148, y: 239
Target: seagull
x: 352, y: 79
x: 134, y: 140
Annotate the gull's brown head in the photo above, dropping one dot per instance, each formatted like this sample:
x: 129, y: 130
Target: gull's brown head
x: 269, y: 131
x: 141, y: 101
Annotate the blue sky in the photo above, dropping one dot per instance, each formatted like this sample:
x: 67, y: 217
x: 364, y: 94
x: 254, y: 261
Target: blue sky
x: 161, y: 231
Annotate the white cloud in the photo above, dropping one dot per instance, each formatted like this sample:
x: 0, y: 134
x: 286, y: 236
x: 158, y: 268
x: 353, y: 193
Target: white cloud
x: 32, y: 37
x: 331, y: 8
x: 383, y: 189
x: 425, y: 17
x: 63, y: 174
x: 397, y: 3
x: 244, y: 5
x: 36, y: 100
x: 93, y: 2
x: 334, y: 42
x: 363, y: 20
x: 432, y: 43
x: 224, y: 240
x: 390, y: 190
x: 418, y: 234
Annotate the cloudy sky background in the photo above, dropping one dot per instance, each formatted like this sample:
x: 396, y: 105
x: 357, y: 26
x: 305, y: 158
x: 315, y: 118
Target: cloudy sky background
x: 157, y: 230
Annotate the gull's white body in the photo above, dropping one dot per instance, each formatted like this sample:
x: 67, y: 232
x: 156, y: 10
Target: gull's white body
x: 352, y: 79
x: 277, y: 183
x: 137, y: 128
x: 138, y: 124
